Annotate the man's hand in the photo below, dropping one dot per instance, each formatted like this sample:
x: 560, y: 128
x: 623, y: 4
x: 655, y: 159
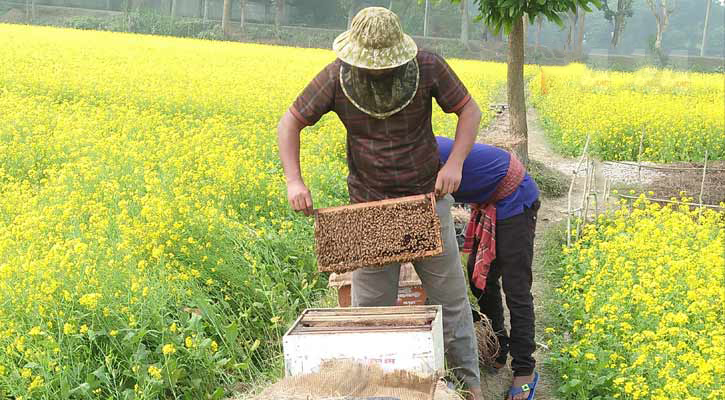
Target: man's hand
x: 288, y: 139
x: 449, y: 178
x: 299, y: 197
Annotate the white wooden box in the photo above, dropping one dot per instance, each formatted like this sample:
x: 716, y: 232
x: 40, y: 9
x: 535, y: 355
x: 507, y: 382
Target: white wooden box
x: 397, y: 338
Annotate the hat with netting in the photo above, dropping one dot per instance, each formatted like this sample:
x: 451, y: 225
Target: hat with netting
x: 375, y: 41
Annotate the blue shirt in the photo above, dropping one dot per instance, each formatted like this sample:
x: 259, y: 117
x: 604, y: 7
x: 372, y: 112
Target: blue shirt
x: 483, y: 169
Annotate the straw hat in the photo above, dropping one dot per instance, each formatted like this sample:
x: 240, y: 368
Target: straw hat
x: 375, y: 41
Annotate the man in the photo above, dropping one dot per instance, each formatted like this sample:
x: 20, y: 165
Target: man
x: 381, y: 87
x: 500, y: 240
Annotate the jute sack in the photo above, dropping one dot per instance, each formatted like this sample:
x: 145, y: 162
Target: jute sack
x: 346, y: 380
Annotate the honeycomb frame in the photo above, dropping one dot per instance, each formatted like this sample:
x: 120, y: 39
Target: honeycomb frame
x: 404, y: 229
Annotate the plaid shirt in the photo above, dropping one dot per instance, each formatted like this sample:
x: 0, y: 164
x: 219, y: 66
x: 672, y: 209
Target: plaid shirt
x: 392, y: 157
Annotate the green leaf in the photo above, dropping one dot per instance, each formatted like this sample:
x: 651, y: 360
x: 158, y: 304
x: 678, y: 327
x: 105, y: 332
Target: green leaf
x: 129, y: 394
x: 507, y: 24
x: 100, y: 373
x: 218, y: 394
x: 231, y: 333
x: 83, y: 388
x: 221, y: 363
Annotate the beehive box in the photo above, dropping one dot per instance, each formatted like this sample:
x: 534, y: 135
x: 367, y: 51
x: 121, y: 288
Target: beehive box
x: 396, y: 338
x: 377, y: 233
x: 410, y: 289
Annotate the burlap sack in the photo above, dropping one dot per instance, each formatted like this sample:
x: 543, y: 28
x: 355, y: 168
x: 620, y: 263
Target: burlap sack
x: 346, y: 380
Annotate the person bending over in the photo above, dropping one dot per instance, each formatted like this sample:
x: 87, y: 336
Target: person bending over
x: 500, y: 242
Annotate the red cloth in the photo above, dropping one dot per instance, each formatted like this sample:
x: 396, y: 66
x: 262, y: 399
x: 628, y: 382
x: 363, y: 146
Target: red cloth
x: 482, y: 225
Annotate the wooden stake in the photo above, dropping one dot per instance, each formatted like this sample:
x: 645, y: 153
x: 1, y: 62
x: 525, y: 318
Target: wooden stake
x: 571, y: 188
x: 702, y: 184
x: 639, y: 158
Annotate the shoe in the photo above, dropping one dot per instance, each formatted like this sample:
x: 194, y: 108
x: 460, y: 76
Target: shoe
x: 530, y: 387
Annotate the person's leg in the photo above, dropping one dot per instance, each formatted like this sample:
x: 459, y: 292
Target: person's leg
x: 490, y: 304
x: 443, y: 280
x: 375, y: 286
x: 514, y: 255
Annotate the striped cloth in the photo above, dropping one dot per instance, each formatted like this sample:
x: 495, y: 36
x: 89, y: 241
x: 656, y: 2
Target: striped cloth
x: 482, y: 225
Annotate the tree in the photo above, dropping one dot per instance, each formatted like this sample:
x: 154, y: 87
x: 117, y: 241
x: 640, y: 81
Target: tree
x: 618, y: 17
x: 575, y: 35
x: 351, y: 7
x: 662, y: 10
x: 242, y: 7
x: 571, y: 29
x: 206, y: 10
x: 704, y: 30
x: 173, y: 8
x: 425, y: 18
x: 507, y: 15
x: 279, y: 14
x: 226, y: 17
x: 539, y: 22
x: 578, y: 50
x: 464, y: 21
x: 29, y: 10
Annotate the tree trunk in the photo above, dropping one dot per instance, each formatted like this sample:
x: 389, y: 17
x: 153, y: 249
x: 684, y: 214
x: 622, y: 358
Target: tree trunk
x: 704, y: 30
x: 108, y: 4
x: 526, y: 30
x: 351, y: 13
x: 30, y: 9
x: 618, y: 29
x: 618, y: 23
x: 662, y: 12
x: 539, y: 22
x: 658, y: 39
x: 516, y: 96
x: 464, y: 21
x: 206, y: 10
x: 425, y: 19
x: 127, y: 14
x: 226, y: 15
x: 242, y: 8
x: 570, y: 32
x: 580, y: 34
x: 390, y: 7
x: 173, y: 8
x: 279, y: 15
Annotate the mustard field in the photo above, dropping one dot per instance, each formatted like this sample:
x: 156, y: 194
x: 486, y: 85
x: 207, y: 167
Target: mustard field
x: 147, y: 249
x: 641, y: 295
x: 682, y: 113
x: 146, y: 246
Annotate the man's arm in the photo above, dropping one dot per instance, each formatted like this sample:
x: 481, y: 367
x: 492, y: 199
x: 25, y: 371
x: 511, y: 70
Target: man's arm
x: 449, y: 177
x: 288, y: 140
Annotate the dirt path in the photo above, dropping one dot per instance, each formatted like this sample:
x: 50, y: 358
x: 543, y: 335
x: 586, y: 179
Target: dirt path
x: 552, y: 211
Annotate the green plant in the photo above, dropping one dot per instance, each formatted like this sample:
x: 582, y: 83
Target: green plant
x: 215, y: 33
x: 552, y: 183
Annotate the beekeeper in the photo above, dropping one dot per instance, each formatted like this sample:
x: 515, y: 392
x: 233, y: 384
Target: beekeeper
x: 381, y: 87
